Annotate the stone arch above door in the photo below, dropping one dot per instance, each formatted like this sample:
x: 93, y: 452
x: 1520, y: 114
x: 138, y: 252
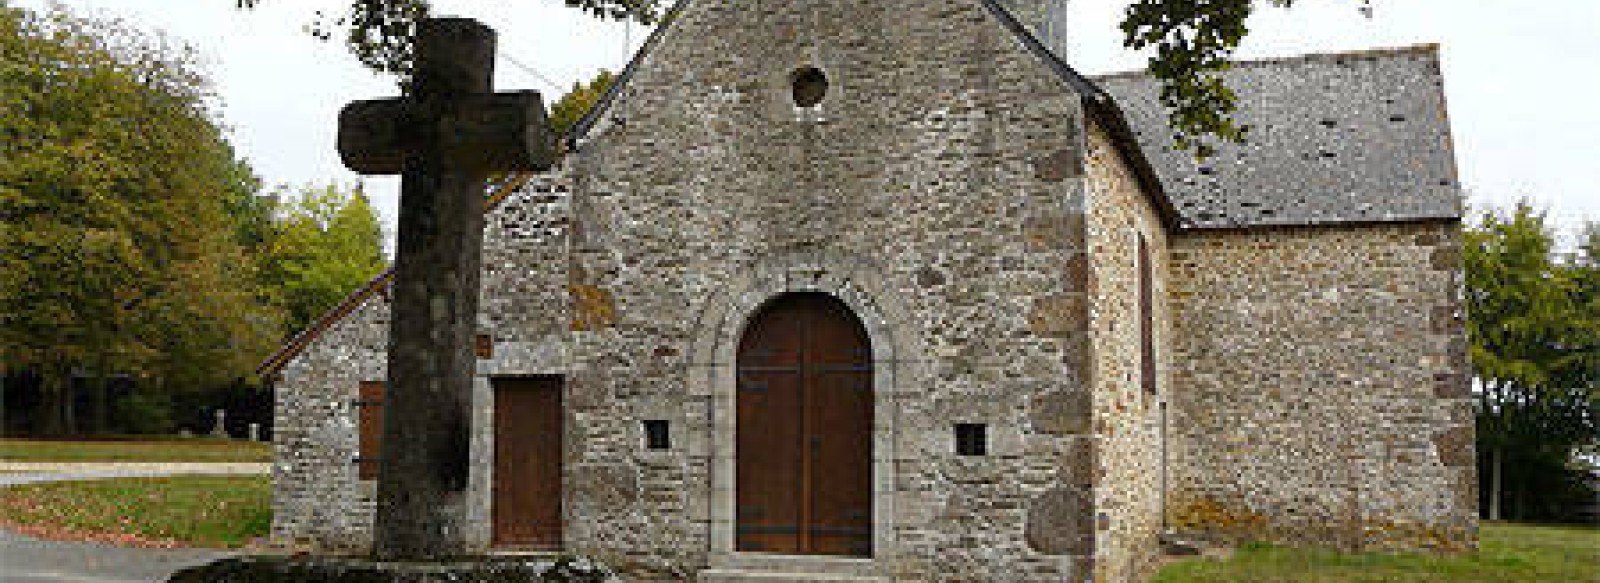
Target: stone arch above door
x: 721, y: 320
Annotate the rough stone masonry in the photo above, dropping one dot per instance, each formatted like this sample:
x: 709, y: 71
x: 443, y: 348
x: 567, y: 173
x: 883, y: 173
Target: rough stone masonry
x: 1078, y: 340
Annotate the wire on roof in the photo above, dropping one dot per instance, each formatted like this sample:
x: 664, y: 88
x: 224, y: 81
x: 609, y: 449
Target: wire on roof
x: 531, y: 71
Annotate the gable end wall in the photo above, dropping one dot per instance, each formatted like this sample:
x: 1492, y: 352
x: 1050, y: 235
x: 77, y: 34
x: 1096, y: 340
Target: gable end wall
x: 940, y: 181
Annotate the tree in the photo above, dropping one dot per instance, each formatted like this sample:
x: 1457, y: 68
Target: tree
x: 120, y: 253
x: 1193, y: 41
x: 1533, y: 352
x: 566, y: 112
x: 324, y: 242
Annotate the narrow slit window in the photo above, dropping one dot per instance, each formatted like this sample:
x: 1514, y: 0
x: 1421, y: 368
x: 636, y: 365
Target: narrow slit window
x: 1147, y: 340
x: 972, y: 439
x: 657, y: 435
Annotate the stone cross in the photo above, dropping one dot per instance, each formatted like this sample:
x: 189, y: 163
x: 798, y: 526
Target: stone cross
x: 219, y: 427
x: 444, y: 138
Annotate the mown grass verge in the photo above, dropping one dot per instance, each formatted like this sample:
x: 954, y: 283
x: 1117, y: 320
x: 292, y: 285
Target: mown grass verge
x: 118, y: 450
x: 1509, y: 553
x: 184, y: 511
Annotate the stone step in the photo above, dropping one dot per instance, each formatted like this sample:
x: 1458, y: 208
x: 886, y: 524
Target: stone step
x: 747, y: 576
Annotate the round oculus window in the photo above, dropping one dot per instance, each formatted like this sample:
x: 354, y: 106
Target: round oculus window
x: 810, y: 86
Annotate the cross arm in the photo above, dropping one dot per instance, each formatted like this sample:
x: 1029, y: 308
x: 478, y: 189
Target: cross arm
x: 500, y: 132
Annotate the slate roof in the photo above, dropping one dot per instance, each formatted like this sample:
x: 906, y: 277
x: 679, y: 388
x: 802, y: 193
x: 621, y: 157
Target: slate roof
x: 1359, y: 137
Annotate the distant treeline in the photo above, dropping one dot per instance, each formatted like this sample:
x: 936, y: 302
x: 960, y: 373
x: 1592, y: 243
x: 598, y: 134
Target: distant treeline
x: 144, y: 268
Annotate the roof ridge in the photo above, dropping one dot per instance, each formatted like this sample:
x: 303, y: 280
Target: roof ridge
x: 1367, y: 53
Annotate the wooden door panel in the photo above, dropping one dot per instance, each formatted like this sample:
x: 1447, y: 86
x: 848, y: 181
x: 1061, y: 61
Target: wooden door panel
x: 804, y: 455
x: 841, y: 518
x: 528, y: 437
x: 768, y: 484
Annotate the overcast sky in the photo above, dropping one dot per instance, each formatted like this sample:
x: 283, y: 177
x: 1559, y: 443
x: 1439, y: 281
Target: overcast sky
x: 1519, y: 75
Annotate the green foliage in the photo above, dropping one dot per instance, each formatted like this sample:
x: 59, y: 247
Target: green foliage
x: 566, y: 112
x: 1531, y: 336
x: 1193, y: 41
x: 1534, y: 334
x: 125, y: 209
x: 325, y: 243
x: 143, y: 412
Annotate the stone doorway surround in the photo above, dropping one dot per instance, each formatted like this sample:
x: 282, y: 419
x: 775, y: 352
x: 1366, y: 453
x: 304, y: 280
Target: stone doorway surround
x: 721, y: 321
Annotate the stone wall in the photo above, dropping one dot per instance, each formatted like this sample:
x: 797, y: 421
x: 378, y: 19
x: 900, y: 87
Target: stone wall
x: 942, y: 173
x: 1320, y: 387
x: 319, y: 503
x: 1126, y: 416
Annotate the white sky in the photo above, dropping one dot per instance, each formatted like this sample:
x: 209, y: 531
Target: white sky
x: 1520, y: 75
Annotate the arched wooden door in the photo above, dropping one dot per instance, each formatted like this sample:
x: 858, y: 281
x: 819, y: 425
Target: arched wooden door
x: 804, y: 453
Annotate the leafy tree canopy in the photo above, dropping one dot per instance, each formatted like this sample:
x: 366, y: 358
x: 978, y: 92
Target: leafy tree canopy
x: 1532, y: 333
x: 566, y: 112
x: 326, y: 241
x: 123, y: 204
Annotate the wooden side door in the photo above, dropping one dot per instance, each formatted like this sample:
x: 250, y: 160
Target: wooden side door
x: 804, y: 458
x: 528, y: 437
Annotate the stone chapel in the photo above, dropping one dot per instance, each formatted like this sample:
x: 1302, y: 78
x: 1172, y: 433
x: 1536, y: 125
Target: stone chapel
x: 832, y: 290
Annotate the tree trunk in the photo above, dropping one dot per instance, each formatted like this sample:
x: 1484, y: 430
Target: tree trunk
x: 69, y: 404
x: 100, y: 404
x: 1494, y: 483
x: 1519, y: 512
x: 3, y: 372
x: 50, y: 403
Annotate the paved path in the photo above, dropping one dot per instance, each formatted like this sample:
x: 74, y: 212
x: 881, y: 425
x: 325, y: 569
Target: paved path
x: 28, y: 560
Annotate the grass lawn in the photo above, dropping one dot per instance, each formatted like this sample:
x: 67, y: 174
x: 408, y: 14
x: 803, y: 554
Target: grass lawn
x: 132, y: 450
x: 202, y: 511
x: 1509, y: 553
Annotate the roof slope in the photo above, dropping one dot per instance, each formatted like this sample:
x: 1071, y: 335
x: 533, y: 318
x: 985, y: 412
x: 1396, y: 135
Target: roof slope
x: 1337, y: 138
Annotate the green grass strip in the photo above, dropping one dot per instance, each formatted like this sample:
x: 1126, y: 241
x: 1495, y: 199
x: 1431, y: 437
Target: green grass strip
x: 1509, y: 553
x: 201, y: 511
x: 197, y: 450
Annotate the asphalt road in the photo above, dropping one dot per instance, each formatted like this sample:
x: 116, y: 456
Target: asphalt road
x: 28, y: 560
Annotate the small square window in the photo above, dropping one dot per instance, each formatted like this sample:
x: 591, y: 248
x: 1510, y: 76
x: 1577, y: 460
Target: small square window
x: 972, y: 439
x: 657, y: 435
